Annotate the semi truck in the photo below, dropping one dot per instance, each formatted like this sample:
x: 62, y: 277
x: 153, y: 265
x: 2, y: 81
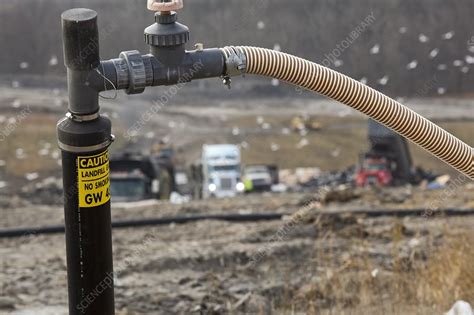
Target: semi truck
x: 218, y: 173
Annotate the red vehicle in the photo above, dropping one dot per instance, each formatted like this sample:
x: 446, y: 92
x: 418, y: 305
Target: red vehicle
x: 374, y: 171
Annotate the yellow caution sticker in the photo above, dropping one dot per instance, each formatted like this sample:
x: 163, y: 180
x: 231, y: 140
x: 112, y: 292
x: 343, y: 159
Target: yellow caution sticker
x: 93, y: 180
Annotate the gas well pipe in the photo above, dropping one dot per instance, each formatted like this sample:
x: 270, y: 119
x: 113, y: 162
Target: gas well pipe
x: 84, y: 136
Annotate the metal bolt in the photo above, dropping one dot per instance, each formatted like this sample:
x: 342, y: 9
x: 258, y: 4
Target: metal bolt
x: 227, y: 81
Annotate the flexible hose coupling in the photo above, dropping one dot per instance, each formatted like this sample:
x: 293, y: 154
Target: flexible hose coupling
x: 235, y: 61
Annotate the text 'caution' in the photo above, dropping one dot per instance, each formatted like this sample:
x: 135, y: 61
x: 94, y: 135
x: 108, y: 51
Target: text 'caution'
x: 93, y: 180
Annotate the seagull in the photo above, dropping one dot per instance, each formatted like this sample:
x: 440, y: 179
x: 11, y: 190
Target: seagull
x: 303, y: 132
x: 338, y: 63
x: 442, y: 67
x: 266, y: 126
x: 383, y: 80
x: 303, y: 142
x: 235, y: 131
x: 423, y: 38
x: 20, y: 153
x: 448, y: 35
x: 43, y: 152
x: 275, y: 147
x: 434, y: 53
x: 56, y: 154
x: 53, y: 61
x: 375, y: 50
x: 31, y: 176
x: 336, y: 152
x: 16, y: 103
x: 412, y: 65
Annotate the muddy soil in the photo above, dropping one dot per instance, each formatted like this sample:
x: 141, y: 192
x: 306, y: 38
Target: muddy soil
x: 317, y: 265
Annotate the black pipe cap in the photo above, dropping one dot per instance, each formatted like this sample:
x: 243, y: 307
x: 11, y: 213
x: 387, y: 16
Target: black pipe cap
x: 80, y: 39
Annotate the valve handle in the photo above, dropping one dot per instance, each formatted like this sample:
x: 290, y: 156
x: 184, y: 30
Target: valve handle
x: 161, y: 5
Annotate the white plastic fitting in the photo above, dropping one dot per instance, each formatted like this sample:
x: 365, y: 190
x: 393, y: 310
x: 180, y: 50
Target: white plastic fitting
x: 156, y: 5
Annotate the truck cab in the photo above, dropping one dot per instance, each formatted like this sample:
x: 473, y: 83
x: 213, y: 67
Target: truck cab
x: 374, y: 171
x: 258, y: 178
x: 221, y: 170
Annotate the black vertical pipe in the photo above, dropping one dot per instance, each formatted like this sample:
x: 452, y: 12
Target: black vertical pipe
x: 81, y: 55
x: 84, y: 137
x: 88, y: 248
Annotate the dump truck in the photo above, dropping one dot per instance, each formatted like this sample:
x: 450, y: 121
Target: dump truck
x: 136, y: 176
x: 388, y: 160
x: 218, y: 173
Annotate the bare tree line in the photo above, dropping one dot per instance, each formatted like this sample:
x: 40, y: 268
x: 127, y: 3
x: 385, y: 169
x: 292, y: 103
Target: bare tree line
x: 410, y: 45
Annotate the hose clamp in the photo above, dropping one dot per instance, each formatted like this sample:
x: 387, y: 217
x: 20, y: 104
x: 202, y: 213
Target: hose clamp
x: 82, y: 118
x: 91, y: 148
x: 235, y: 61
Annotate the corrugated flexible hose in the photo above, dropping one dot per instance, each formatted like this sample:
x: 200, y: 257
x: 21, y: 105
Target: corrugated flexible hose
x: 317, y: 78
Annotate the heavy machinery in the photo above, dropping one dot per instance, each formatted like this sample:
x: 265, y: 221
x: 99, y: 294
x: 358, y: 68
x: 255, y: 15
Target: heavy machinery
x: 218, y: 173
x: 134, y: 176
x: 303, y: 122
x: 388, y: 160
x: 374, y: 171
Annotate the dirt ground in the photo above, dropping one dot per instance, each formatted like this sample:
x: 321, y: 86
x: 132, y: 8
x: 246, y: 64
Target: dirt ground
x: 340, y: 264
x: 321, y: 265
